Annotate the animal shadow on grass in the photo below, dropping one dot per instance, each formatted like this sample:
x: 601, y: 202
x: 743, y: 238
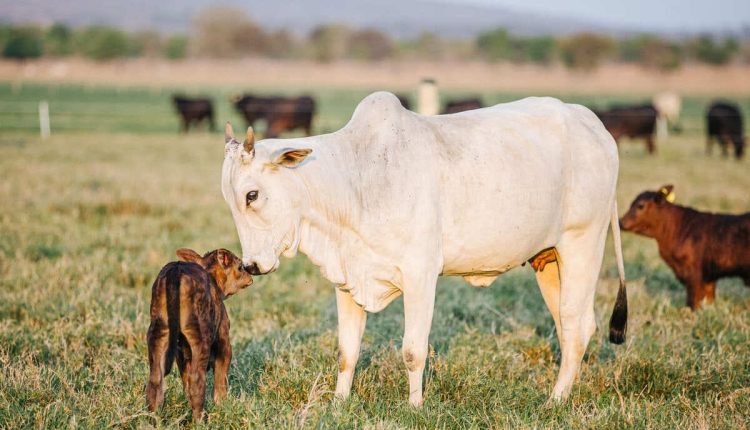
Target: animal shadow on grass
x: 513, y: 300
x: 250, y: 358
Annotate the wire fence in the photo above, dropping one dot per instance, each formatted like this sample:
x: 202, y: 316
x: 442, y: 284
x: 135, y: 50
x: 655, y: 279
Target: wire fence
x: 147, y: 118
x: 85, y: 109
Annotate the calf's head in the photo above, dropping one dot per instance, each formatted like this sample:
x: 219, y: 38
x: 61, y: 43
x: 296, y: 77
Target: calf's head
x: 226, y: 268
x: 266, y: 197
x: 647, y: 212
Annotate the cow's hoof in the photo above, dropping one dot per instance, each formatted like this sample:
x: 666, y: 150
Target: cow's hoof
x: 416, y: 402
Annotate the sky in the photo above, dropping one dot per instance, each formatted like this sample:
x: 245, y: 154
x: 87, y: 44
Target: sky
x: 663, y: 15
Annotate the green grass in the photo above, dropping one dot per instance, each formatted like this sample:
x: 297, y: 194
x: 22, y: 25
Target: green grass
x: 87, y: 220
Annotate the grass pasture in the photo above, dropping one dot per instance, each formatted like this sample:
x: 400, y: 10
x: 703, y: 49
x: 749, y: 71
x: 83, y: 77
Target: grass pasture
x: 90, y: 215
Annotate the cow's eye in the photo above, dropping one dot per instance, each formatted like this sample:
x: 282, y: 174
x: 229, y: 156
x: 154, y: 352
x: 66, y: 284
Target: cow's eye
x: 251, y: 196
x: 641, y: 205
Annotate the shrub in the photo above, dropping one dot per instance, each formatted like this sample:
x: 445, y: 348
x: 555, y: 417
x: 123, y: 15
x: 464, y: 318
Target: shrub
x: 23, y: 42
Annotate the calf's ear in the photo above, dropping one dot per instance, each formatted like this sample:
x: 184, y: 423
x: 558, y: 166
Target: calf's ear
x: 668, y: 192
x: 290, y: 157
x: 224, y: 258
x: 189, y: 256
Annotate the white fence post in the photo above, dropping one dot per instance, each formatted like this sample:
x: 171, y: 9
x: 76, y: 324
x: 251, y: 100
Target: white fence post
x: 44, y: 128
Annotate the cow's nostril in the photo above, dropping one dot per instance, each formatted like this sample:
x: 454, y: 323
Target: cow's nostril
x: 253, y: 269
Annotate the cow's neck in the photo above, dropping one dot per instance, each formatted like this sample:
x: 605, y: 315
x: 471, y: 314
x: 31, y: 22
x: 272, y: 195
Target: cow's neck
x: 328, y: 205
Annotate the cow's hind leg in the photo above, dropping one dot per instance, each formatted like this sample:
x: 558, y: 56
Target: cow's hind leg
x: 548, y: 278
x: 352, y: 321
x: 580, y: 258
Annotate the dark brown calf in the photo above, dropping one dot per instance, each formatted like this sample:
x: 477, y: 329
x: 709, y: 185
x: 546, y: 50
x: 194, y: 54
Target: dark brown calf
x: 189, y: 324
x: 699, y: 247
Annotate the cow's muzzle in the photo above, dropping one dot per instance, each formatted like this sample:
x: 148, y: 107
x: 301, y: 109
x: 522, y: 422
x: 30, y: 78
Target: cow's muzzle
x: 253, y: 269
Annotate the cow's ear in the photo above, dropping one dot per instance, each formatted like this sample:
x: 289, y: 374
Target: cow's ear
x: 290, y: 157
x: 189, y: 256
x: 667, y: 191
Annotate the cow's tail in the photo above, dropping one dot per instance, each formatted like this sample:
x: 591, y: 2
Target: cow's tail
x: 172, y: 291
x: 618, y: 324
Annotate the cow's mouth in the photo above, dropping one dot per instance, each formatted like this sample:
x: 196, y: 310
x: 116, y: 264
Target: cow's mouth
x: 254, y: 270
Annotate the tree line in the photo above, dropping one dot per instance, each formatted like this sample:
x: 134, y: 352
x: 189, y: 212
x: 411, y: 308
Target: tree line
x: 225, y: 32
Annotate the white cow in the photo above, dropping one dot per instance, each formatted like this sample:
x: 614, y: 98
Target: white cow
x: 395, y: 199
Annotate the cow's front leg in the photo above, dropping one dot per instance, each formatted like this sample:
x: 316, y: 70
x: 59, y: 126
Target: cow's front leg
x: 352, y: 321
x: 419, y: 301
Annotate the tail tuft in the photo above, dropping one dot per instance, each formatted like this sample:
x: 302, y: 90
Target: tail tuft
x: 618, y: 324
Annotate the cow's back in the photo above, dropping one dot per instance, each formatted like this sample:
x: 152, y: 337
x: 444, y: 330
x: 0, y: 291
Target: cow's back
x: 518, y: 173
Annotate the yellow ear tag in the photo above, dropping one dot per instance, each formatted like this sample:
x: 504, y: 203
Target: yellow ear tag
x: 670, y: 197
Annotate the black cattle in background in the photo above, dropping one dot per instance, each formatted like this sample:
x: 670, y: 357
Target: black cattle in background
x: 631, y: 121
x: 280, y: 113
x: 194, y: 110
x: 455, y: 106
x: 724, y: 124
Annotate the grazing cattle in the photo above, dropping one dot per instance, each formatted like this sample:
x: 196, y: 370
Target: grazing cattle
x: 455, y: 106
x: 724, y: 123
x: 699, y: 247
x: 632, y: 122
x: 281, y: 113
x: 189, y: 324
x: 194, y: 110
x: 394, y: 199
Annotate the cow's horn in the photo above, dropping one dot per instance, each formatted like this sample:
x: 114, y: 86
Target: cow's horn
x: 228, y: 133
x: 249, y: 140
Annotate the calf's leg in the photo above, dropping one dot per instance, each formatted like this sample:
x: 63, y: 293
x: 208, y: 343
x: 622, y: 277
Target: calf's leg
x: 695, y: 293
x: 158, y: 338
x: 197, y: 381
x: 221, y: 365
x: 352, y: 320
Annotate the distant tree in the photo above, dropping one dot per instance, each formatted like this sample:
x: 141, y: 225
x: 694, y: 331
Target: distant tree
x: 495, y: 45
x: 540, y: 50
x: 175, y: 47
x: 224, y: 32
x: 281, y: 44
x: 23, y: 42
x: 58, y: 40
x: 706, y: 50
x: 498, y: 45
x: 329, y: 42
x: 651, y: 51
x: 429, y: 46
x: 148, y: 43
x: 103, y: 43
x: 370, y: 44
x: 586, y: 51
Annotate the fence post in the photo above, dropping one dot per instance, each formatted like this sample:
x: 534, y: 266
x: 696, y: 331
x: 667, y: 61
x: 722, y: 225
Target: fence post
x: 44, y: 128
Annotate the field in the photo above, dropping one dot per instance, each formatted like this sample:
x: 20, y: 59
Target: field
x: 91, y: 214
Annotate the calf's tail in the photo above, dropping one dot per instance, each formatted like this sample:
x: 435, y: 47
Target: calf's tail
x: 618, y: 323
x: 172, y: 291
